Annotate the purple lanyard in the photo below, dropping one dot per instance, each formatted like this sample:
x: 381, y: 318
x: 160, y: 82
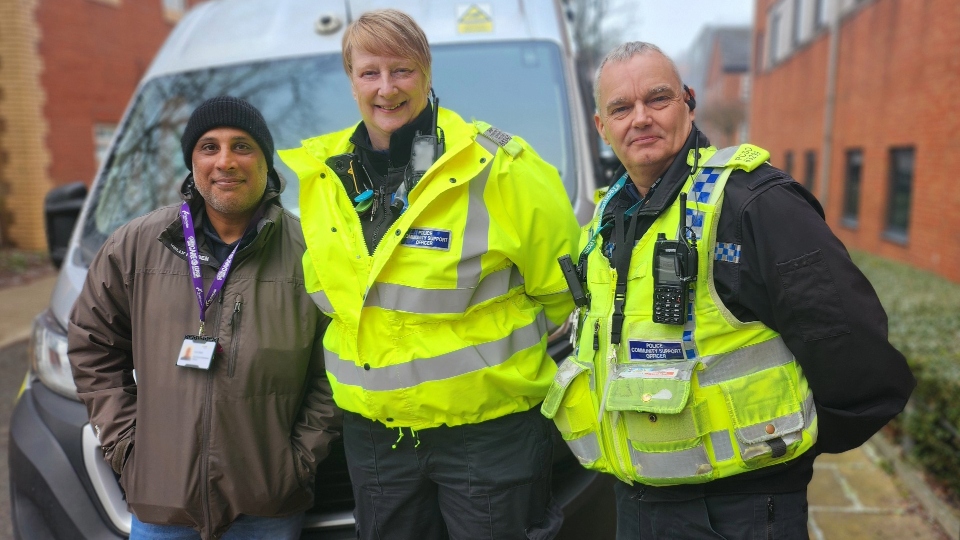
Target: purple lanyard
x: 193, y: 258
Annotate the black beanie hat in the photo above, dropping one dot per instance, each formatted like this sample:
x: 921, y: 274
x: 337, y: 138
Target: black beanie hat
x: 226, y: 111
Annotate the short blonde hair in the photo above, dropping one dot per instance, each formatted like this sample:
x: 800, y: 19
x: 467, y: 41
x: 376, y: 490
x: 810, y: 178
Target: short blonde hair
x: 387, y: 31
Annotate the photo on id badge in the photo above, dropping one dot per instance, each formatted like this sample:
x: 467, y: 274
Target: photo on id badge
x: 197, y: 352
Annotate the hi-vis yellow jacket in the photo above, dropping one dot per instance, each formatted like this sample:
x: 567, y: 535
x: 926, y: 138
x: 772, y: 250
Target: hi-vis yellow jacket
x: 679, y: 404
x: 446, y: 322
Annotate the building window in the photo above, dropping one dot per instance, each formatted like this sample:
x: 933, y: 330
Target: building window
x: 173, y: 9
x: 851, y: 187
x: 809, y: 169
x: 797, y: 33
x: 774, y: 49
x: 788, y: 163
x: 901, y: 190
x: 102, y: 135
x: 820, y: 14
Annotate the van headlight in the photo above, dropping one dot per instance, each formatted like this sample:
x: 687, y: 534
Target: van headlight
x: 48, y: 356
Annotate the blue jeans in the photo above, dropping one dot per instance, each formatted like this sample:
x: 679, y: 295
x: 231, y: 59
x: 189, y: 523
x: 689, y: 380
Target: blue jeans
x: 242, y: 528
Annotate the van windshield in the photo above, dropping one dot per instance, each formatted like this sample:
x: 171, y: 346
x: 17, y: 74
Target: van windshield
x: 518, y: 87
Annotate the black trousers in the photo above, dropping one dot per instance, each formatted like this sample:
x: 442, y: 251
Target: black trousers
x: 754, y: 516
x: 488, y: 481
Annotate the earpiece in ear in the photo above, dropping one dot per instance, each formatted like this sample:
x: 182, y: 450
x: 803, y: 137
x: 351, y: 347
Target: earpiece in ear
x: 692, y: 97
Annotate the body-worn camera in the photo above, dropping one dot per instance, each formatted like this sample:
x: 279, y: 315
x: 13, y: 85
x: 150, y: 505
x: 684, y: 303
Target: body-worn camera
x: 574, y: 281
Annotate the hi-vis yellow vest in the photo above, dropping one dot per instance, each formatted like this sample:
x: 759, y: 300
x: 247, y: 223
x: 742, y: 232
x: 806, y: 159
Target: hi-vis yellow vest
x: 446, y: 322
x: 680, y: 404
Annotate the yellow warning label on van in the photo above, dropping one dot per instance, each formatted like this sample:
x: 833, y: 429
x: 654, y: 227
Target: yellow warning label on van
x: 474, y: 18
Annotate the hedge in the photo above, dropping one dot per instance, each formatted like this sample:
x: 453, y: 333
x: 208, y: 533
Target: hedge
x: 924, y: 314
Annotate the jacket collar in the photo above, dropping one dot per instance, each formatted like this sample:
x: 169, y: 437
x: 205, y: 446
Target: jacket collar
x: 401, y: 141
x: 172, y: 235
x: 672, y: 181
x: 331, y: 144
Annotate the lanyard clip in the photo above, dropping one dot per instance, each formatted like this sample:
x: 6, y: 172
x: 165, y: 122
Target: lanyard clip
x: 200, y: 333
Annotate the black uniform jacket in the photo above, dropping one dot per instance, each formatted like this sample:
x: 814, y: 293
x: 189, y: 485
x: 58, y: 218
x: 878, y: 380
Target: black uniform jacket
x: 796, y: 277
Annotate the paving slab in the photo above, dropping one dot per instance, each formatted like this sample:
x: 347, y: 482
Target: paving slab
x: 852, y: 498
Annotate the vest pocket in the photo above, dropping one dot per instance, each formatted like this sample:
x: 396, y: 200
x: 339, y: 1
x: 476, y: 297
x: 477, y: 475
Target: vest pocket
x: 662, y: 431
x: 767, y: 414
x: 570, y: 404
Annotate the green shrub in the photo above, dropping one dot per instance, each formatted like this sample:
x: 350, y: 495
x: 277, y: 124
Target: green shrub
x: 924, y: 314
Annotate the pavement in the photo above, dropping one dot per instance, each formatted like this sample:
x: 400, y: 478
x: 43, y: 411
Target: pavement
x: 870, y: 493
x: 19, y: 305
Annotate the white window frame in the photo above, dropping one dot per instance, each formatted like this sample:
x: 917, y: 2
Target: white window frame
x: 102, y: 137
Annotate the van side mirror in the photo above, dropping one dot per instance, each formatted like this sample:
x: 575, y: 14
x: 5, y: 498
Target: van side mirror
x: 61, y: 208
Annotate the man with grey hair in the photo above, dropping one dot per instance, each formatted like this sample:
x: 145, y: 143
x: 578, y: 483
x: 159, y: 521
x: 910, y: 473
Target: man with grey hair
x: 725, y: 336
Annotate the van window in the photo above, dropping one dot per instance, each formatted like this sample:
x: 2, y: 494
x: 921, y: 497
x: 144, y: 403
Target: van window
x: 518, y: 87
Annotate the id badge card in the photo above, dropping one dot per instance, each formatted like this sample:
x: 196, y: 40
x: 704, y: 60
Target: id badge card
x: 197, y: 352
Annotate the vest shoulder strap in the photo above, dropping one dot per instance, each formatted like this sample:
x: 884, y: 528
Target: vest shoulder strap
x: 500, y: 138
x: 745, y: 156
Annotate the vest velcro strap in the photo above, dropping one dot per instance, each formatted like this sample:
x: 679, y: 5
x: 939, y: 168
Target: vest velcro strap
x: 778, y: 448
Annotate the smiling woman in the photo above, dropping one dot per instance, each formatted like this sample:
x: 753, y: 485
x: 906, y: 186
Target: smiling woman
x: 390, y: 92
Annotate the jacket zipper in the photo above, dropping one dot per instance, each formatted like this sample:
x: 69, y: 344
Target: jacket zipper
x: 770, y: 517
x: 384, y: 209
x: 205, y: 435
x: 234, y: 335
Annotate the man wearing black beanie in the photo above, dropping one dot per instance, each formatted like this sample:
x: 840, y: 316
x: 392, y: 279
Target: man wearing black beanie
x: 197, y: 350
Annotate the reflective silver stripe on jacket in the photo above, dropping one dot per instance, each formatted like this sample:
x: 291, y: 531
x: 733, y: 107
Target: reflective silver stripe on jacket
x: 433, y: 301
x: 586, y: 448
x: 444, y: 366
x: 742, y: 362
x: 477, y: 226
x: 722, y: 445
x: 320, y: 299
x: 680, y: 464
x: 721, y: 157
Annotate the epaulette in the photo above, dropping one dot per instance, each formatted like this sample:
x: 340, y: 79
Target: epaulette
x: 500, y: 138
x: 745, y: 156
x: 599, y: 194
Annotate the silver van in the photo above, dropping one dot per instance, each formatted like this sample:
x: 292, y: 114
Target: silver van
x: 507, y: 62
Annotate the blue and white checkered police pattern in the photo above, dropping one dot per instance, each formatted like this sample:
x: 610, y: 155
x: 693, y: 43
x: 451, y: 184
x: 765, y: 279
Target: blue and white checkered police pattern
x: 727, y: 252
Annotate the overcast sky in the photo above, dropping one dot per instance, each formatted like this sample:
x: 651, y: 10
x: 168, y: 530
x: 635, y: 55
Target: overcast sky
x: 674, y: 24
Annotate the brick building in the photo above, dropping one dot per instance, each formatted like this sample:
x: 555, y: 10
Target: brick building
x: 853, y: 97
x: 717, y: 67
x: 67, y: 70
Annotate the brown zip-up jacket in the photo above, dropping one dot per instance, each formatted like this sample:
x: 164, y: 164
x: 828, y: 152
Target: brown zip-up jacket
x: 192, y: 447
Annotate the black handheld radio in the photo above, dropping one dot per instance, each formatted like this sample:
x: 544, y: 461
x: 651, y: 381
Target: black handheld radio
x: 674, y: 269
